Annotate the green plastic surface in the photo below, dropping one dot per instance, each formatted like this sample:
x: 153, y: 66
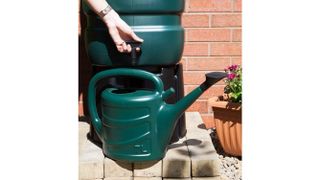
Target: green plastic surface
x: 136, y: 124
x: 144, y: 6
x: 158, y: 22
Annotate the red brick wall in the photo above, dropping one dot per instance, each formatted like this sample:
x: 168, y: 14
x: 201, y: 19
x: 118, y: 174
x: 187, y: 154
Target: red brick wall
x: 212, y: 42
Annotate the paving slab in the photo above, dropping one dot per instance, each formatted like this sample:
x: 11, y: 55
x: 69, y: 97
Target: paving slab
x: 118, y: 178
x: 83, y: 130
x: 91, y: 164
x: 195, y: 127
x: 148, y: 169
x: 147, y: 178
x: 90, y: 157
x: 177, y: 163
x: 204, y: 158
x: 208, y: 178
x: 117, y: 168
x: 192, y: 157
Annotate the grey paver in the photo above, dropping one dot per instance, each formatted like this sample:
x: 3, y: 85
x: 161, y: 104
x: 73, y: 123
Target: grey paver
x: 208, y: 178
x: 147, y: 178
x: 149, y: 169
x: 177, y: 162
x: 204, y: 159
x: 117, y: 168
x: 193, y: 157
x: 118, y: 178
x: 83, y: 130
x: 90, y: 157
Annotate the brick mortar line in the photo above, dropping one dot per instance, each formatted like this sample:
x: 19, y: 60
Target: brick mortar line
x: 186, y: 36
x: 208, y: 41
x: 219, y: 56
x: 212, y: 42
x: 212, y: 13
x: 190, y: 85
x: 232, y: 5
x: 186, y: 56
x: 187, y: 64
x: 214, y: 27
x: 228, y: 42
x: 186, y: 5
x: 196, y: 42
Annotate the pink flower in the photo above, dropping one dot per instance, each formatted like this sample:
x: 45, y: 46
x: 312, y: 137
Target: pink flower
x: 231, y: 76
x: 233, y: 67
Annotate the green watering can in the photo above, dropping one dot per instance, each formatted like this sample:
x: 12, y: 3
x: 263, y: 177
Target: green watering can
x: 136, y: 124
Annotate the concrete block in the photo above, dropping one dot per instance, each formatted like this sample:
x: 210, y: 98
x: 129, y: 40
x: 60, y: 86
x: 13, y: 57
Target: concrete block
x: 204, y: 159
x: 147, y: 178
x: 91, y: 153
x: 148, y: 169
x: 205, y: 167
x: 117, y: 168
x: 176, y: 168
x: 193, y: 119
x: 201, y: 149
x: 195, y: 127
x: 208, y: 178
x: 90, y: 161
x: 90, y: 170
x: 83, y: 128
x: 177, y: 162
x: 118, y: 178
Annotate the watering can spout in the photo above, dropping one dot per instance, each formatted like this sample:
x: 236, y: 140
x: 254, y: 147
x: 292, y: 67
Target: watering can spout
x: 176, y: 110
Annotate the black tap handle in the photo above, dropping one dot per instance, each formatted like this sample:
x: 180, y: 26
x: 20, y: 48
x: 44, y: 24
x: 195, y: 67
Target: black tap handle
x: 212, y: 78
x: 134, y: 53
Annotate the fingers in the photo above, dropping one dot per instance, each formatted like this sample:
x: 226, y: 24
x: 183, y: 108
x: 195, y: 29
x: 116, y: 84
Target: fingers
x: 126, y: 32
x: 114, y: 33
x: 124, y: 27
x: 135, y: 37
x: 129, y: 49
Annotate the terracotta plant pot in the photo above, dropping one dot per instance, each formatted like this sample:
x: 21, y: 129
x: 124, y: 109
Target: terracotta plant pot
x: 227, y: 117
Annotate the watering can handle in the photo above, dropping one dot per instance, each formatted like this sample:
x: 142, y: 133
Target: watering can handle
x: 96, y: 121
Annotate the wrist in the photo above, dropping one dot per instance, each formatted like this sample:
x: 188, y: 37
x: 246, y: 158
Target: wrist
x: 110, y: 18
x: 105, y: 11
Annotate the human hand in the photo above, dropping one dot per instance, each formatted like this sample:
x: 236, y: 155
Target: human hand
x: 120, y: 31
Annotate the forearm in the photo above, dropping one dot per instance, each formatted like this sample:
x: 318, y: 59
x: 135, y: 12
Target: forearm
x: 97, y: 5
x: 118, y: 29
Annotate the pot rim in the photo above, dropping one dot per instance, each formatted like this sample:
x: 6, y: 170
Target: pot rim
x: 218, y: 102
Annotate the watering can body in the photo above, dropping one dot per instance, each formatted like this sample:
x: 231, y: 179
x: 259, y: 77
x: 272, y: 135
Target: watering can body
x: 136, y: 124
x: 129, y: 124
x: 129, y: 119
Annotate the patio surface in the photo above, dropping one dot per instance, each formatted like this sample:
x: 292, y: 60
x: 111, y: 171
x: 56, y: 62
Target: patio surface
x: 192, y: 158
